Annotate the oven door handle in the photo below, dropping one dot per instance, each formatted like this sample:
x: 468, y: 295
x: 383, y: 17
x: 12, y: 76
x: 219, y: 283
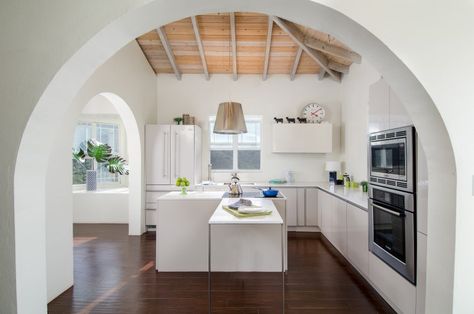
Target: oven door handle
x: 388, y: 210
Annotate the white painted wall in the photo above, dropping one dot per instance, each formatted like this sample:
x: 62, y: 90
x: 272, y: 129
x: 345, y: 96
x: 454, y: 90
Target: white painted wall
x: 275, y: 97
x: 102, y: 206
x: 354, y: 118
x: 41, y: 75
x: 128, y: 75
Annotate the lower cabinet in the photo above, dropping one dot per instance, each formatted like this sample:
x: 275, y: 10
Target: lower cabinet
x: 333, y: 220
x: 301, y: 206
x: 151, y: 205
x: 358, y: 238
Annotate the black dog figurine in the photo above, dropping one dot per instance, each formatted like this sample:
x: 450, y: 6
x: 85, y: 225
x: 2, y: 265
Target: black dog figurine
x: 290, y: 120
x: 301, y: 120
x: 278, y: 120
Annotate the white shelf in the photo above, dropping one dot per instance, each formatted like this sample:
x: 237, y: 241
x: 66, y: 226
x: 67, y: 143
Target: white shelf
x: 302, y: 138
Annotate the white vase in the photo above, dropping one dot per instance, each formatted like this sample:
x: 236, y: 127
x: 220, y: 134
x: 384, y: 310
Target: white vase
x: 91, y: 180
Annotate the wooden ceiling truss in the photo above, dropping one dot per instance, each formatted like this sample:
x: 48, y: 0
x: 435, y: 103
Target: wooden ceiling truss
x: 245, y: 43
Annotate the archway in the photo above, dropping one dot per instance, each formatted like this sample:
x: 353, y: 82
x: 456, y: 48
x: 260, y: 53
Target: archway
x: 135, y: 187
x: 29, y: 178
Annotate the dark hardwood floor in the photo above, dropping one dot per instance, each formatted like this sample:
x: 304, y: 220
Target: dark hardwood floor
x: 115, y: 273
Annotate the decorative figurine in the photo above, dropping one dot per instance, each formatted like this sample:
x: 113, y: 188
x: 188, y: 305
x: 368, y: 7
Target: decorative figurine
x: 291, y: 120
x: 301, y: 120
x: 278, y: 120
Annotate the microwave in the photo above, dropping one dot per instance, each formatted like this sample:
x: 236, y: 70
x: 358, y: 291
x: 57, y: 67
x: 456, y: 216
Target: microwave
x: 392, y: 158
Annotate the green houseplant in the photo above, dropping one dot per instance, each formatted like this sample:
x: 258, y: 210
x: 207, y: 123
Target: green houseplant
x: 99, y: 153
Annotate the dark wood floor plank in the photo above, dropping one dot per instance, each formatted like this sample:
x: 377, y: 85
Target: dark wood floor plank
x: 115, y: 273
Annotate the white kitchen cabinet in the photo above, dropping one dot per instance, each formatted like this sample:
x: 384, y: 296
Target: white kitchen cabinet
x: 172, y: 151
x: 398, y: 291
x: 157, y: 154
x: 291, y: 206
x: 358, y: 238
x: 379, y: 94
x: 311, y: 207
x: 151, y: 206
x: 301, y: 207
x: 339, y: 224
x: 398, y: 117
x: 325, y: 207
x: 288, y: 137
x: 386, y: 111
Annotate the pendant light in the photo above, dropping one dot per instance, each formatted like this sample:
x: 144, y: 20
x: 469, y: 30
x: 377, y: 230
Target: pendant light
x: 230, y: 117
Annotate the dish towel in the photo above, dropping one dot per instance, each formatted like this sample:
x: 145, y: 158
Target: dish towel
x: 254, y: 211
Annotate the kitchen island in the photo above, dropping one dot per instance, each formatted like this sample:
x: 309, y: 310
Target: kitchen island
x: 182, y: 231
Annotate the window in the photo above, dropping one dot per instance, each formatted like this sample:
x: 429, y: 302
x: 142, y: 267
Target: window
x: 236, y: 152
x: 107, y: 133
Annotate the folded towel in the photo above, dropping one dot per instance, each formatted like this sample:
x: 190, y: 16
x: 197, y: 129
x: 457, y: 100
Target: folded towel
x: 236, y: 213
x: 251, y: 209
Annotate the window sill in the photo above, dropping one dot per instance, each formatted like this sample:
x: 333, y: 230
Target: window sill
x: 115, y: 190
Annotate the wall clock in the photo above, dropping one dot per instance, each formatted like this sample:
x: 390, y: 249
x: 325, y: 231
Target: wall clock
x: 314, y: 113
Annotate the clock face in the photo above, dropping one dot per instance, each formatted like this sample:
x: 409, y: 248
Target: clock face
x: 314, y: 113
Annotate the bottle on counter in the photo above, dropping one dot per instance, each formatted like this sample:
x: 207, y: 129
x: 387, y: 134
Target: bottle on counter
x: 347, y: 180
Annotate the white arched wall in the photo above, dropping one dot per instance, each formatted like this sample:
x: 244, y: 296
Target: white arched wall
x: 136, y: 219
x: 109, y: 29
x: 128, y: 82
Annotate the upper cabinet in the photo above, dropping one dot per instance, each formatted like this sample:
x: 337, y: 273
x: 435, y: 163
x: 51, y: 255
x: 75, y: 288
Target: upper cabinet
x: 172, y: 151
x: 302, y: 137
x: 385, y: 109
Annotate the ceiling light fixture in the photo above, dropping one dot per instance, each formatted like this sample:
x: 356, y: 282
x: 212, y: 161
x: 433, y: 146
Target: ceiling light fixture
x: 230, y: 117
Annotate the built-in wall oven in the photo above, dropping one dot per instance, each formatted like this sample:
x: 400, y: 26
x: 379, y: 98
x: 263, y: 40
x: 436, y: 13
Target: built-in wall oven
x: 391, y: 158
x: 392, y: 199
x: 392, y: 229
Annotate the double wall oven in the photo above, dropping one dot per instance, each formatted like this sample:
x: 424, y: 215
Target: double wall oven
x: 392, y: 199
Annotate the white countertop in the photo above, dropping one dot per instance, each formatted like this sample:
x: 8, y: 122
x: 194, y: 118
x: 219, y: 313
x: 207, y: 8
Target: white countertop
x: 220, y: 216
x: 354, y: 196
x: 192, y: 195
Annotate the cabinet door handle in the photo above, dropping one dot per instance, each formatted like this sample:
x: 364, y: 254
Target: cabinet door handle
x: 176, y: 154
x: 165, y: 168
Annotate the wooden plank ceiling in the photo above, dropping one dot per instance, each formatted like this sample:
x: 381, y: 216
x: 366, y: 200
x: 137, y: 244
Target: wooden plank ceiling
x: 263, y: 45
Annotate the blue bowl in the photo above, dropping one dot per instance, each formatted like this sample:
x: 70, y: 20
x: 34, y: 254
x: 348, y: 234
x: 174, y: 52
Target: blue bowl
x: 270, y: 192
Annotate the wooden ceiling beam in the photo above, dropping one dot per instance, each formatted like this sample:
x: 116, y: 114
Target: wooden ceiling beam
x: 298, y: 38
x: 339, y: 67
x: 296, y: 63
x: 332, y: 50
x: 169, y: 52
x: 234, y: 46
x: 197, y: 34
x: 268, y: 47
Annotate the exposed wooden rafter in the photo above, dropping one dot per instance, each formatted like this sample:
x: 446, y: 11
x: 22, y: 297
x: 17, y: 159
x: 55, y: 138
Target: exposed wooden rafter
x: 200, y: 46
x: 338, y: 67
x: 259, y: 44
x: 332, y: 50
x: 294, y: 68
x: 169, y: 52
x: 298, y: 37
x: 234, y: 46
x: 268, y: 47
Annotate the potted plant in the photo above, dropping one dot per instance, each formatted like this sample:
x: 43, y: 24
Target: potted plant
x: 183, y: 183
x: 99, y: 153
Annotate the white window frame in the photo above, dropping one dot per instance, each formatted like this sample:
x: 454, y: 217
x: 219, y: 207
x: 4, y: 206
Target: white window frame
x: 235, y: 147
x: 106, y: 119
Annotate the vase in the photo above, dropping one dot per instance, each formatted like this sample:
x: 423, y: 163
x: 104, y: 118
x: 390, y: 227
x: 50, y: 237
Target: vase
x: 184, y: 190
x: 91, y: 180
